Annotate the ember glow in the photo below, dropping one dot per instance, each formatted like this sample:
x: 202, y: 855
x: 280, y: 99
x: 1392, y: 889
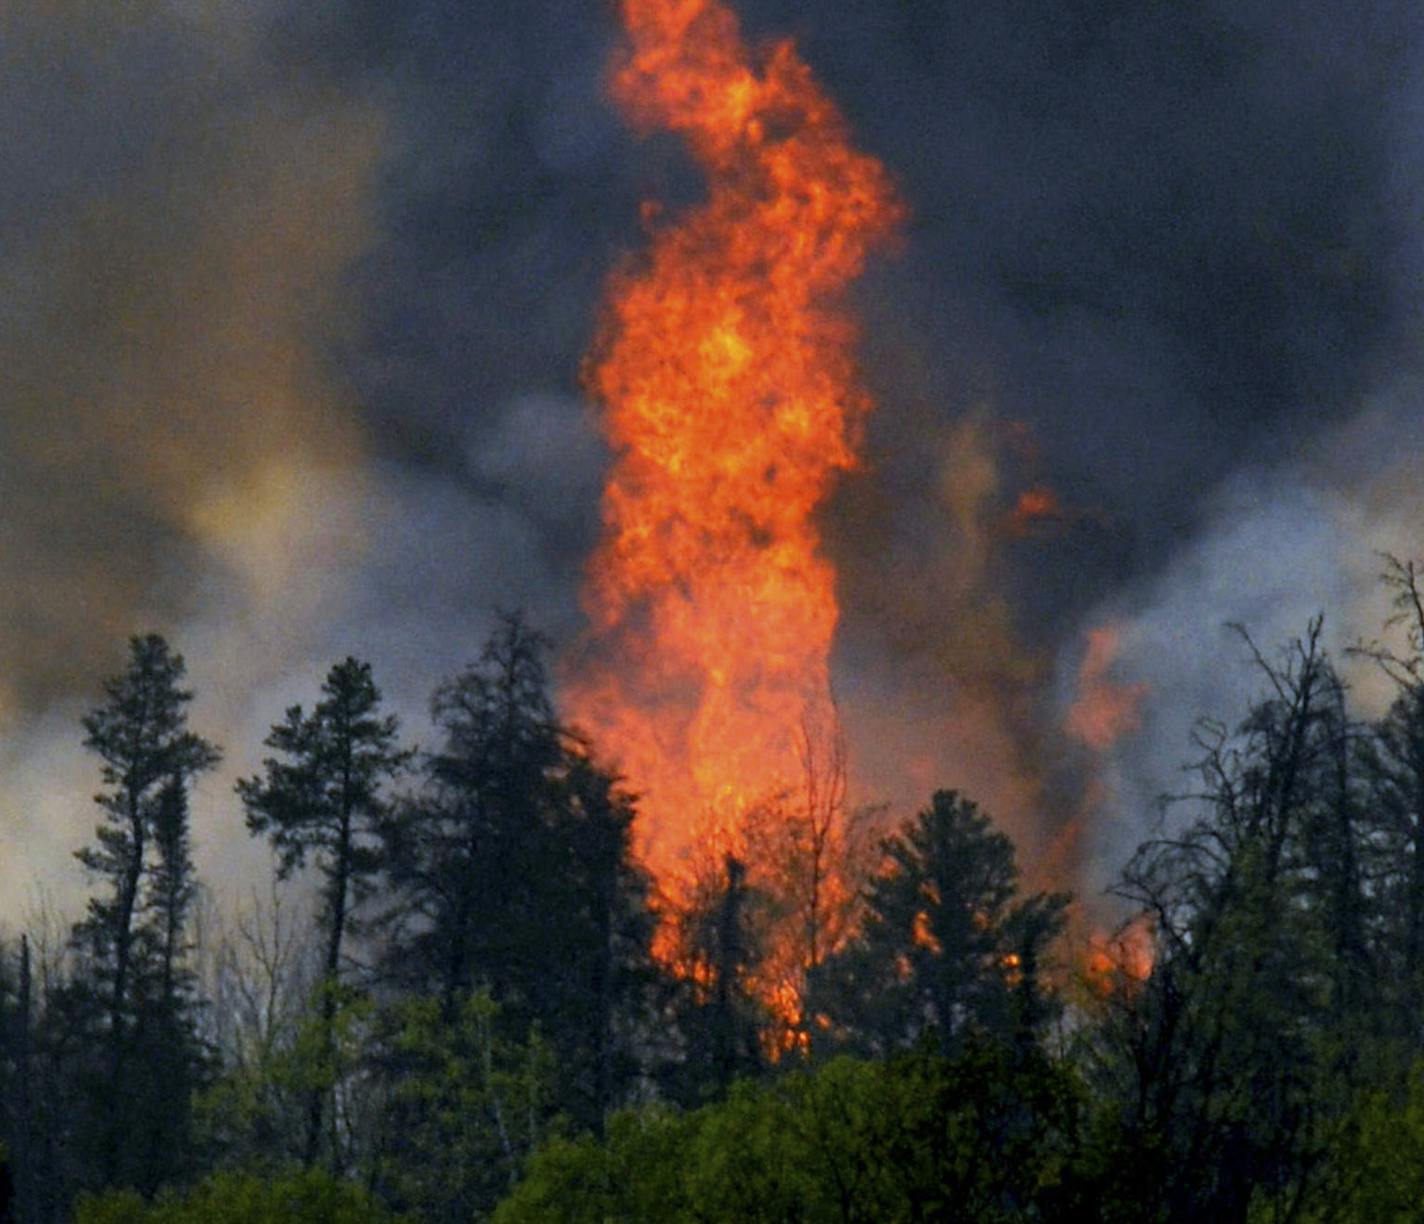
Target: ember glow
x: 1036, y: 507
x: 727, y: 383
x: 1105, y: 709
x: 1120, y: 962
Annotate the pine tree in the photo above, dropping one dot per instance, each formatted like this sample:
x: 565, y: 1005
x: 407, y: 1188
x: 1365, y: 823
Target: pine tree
x: 175, y: 1059
x: 323, y: 800
x: 718, y: 1003
x: 601, y: 979
x: 150, y: 759
x: 174, y: 885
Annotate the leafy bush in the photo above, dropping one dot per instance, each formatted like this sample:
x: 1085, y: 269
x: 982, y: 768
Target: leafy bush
x: 991, y: 1135
x: 313, y: 1197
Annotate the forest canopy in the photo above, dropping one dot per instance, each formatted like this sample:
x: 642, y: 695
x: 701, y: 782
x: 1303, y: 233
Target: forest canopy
x: 463, y: 998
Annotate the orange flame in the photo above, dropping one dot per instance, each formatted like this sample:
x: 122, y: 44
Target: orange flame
x: 725, y: 374
x: 1035, y: 507
x: 1118, y: 964
x: 1105, y: 710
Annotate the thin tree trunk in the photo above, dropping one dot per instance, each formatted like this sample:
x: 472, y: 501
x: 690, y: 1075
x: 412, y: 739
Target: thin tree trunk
x: 316, y: 1107
x: 603, y: 985
x: 729, y: 956
x: 123, y: 951
x: 24, y: 1153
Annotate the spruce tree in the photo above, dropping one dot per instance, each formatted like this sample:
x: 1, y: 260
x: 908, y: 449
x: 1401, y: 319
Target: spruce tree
x: 465, y: 855
x: 512, y: 872
x: 945, y: 948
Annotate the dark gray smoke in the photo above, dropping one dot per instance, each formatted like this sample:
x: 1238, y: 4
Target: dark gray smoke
x: 297, y: 297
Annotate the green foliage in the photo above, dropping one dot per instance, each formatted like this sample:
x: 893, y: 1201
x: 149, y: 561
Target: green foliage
x: 113, y: 1207
x: 1254, y: 1076
x: 1375, y: 1174
x: 988, y: 1136
x: 636, y: 1173
x: 469, y: 1106
x: 253, y: 1116
x: 312, y: 1197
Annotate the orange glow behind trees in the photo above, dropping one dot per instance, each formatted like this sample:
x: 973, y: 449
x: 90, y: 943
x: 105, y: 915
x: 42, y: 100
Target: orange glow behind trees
x: 724, y: 370
x: 1105, y: 709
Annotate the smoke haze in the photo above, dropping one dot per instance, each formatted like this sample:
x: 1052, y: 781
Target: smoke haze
x: 296, y: 299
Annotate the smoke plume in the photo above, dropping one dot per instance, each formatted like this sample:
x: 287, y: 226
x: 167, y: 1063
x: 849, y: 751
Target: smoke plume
x: 297, y: 298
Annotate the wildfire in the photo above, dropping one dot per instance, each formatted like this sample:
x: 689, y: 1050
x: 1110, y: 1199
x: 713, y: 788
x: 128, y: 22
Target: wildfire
x: 1105, y: 710
x: 1119, y: 963
x: 727, y: 385
x: 1036, y: 507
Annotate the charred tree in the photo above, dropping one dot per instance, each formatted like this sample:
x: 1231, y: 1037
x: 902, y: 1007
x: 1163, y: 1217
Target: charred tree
x: 728, y: 954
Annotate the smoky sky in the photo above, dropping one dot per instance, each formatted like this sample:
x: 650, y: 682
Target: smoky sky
x: 296, y: 298
x: 1166, y: 238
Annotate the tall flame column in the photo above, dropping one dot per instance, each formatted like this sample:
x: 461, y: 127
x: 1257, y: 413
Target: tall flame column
x: 725, y: 374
